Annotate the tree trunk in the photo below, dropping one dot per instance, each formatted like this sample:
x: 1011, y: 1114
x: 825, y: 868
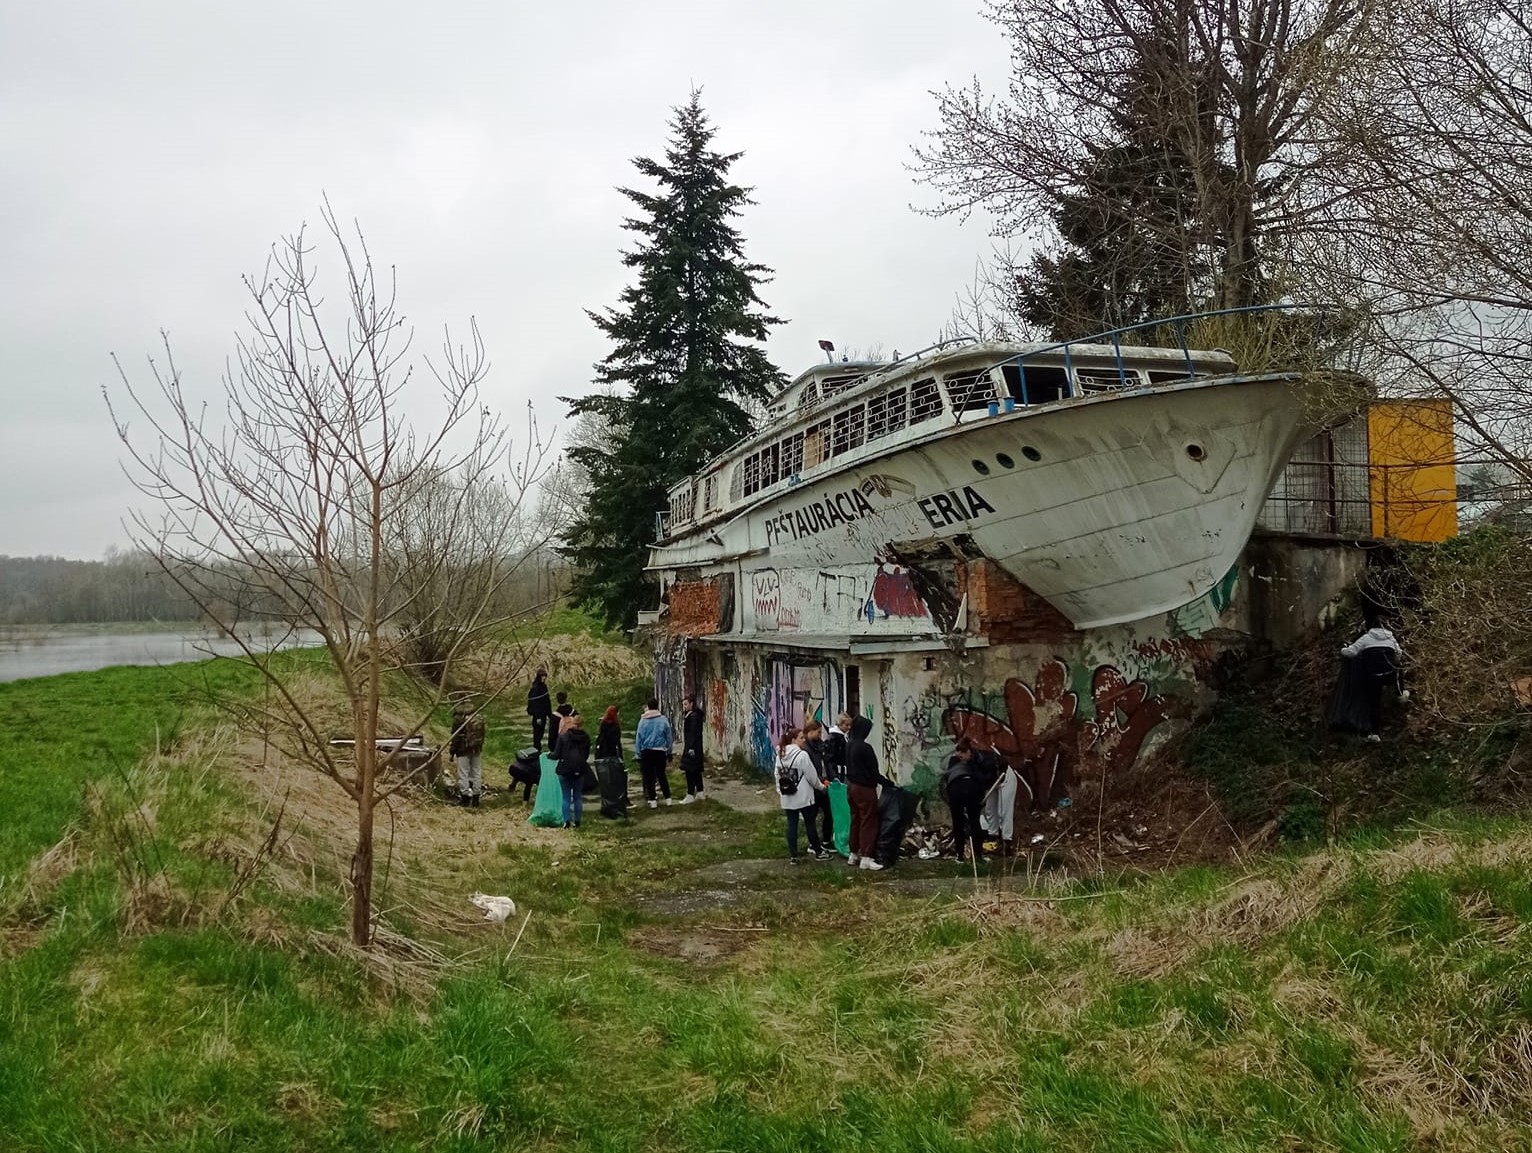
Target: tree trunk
x: 361, y: 874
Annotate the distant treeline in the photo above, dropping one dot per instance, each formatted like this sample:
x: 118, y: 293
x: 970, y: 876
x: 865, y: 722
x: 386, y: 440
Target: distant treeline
x: 124, y: 587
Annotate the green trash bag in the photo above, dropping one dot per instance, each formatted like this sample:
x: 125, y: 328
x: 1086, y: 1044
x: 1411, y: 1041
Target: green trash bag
x: 840, y: 816
x: 548, y: 808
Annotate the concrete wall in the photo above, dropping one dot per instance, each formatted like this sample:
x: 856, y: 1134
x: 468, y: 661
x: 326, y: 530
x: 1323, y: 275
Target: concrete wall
x: 1060, y: 703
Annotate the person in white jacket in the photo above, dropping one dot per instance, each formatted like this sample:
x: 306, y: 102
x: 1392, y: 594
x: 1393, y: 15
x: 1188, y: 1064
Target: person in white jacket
x: 797, y: 785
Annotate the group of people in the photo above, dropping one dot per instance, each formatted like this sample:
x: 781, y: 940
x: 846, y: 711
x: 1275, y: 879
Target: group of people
x: 809, y: 760
x: 812, y: 758
x: 654, y: 744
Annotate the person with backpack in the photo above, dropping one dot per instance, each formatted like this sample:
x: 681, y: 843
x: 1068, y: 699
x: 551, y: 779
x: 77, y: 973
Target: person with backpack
x: 574, y: 760
x: 797, y: 786
x: 691, y: 750
x: 862, y: 780
x: 560, y: 715
x: 655, y: 743
x: 970, y: 774
x: 539, y: 707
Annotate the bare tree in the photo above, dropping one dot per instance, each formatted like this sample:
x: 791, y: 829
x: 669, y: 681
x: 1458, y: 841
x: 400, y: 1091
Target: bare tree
x: 1437, y: 240
x: 1230, y: 89
x: 314, y: 502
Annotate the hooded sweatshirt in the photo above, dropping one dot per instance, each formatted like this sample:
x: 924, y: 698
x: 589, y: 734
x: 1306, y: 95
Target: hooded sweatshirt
x: 861, y: 760
x: 653, y: 732
x: 1371, y: 639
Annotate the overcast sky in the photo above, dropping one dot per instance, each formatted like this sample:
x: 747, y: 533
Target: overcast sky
x: 150, y: 153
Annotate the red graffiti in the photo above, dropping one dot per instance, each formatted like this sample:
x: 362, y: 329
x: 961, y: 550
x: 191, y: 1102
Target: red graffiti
x: 717, y: 706
x: 1043, y: 737
x: 1188, y: 649
x: 894, y: 595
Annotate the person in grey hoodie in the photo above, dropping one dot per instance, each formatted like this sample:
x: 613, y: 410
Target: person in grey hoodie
x: 655, y: 743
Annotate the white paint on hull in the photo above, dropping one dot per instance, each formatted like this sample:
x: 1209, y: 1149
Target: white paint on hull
x: 1136, y: 504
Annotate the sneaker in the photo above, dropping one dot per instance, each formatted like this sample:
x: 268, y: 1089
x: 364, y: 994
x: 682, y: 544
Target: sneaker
x: 852, y: 859
x: 701, y: 796
x: 822, y: 855
x: 654, y: 804
x: 688, y: 799
x: 668, y: 801
x: 1374, y: 737
x: 792, y: 860
x: 869, y: 863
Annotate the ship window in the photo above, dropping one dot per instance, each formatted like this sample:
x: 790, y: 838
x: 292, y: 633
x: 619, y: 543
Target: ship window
x: 885, y: 414
x: 830, y: 385
x: 816, y: 444
x: 681, y: 506
x: 792, y: 455
x: 1105, y: 379
x: 970, y: 391
x: 1036, y: 383
x: 771, y: 471
x: 848, y: 429
x: 925, y: 401
x: 809, y: 396
x: 1161, y: 376
x: 752, y: 473
x: 710, y: 493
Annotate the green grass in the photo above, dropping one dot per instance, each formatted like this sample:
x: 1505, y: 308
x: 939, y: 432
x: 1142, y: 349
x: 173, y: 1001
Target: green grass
x: 1376, y: 996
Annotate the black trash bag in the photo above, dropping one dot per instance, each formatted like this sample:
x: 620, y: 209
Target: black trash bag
x: 614, y: 787
x: 526, y: 770
x: 1356, y: 705
x: 896, y: 812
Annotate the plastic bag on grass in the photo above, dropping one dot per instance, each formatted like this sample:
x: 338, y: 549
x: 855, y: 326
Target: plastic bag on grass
x: 548, y: 808
x: 840, y: 816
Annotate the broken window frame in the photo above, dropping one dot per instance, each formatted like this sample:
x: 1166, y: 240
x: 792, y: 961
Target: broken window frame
x: 925, y: 401
x: 886, y: 414
x: 848, y: 430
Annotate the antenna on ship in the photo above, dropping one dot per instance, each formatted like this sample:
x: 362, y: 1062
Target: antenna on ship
x: 829, y: 351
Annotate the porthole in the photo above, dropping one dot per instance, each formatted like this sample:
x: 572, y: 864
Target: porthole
x: 1196, y: 452
x: 1004, y: 461
x: 1031, y: 453
x: 979, y: 467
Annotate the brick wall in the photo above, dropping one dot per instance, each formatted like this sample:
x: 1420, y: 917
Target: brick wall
x: 693, y: 608
x: 1005, y: 610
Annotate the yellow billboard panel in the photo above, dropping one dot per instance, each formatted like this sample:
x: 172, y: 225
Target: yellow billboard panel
x: 1412, y: 470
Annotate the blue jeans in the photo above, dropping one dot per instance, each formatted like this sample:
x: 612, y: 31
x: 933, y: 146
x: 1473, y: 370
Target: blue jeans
x: 574, y: 797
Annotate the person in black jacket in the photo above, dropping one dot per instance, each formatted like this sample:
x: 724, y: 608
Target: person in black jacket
x: 835, y: 748
x: 560, y: 715
x: 574, y: 757
x: 862, y: 780
x: 539, y: 707
x: 970, y: 774
x: 691, y: 750
x: 814, y: 742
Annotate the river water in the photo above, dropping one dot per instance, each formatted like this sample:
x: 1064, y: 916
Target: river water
x: 43, y: 652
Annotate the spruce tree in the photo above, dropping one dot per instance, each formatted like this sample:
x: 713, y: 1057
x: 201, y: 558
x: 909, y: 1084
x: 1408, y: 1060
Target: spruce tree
x: 686, y: 361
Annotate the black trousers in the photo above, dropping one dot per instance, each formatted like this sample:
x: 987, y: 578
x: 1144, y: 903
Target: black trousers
x: 692, y: 767
x: 825, y: 817
x: 965, y: 797
x: 651, y: 764
x: 807, y: 813
x: 539, y: 727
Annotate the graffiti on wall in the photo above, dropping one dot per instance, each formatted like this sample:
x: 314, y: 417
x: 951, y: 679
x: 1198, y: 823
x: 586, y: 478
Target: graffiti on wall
x: 786, y: 691
x: 766, y: 598
x: 1044, y: 730
x: 717, y: 710
x: 871, y: 598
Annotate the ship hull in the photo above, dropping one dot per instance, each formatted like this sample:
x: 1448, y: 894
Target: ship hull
x: 1112, y: 508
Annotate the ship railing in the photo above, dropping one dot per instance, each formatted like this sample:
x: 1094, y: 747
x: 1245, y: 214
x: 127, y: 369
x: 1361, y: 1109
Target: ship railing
x: 1114, y: 337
